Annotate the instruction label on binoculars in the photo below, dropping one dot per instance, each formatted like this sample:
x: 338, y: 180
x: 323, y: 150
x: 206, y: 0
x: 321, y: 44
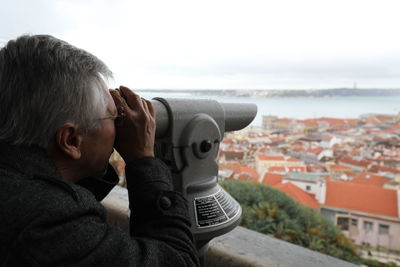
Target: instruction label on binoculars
x: 215, y: 209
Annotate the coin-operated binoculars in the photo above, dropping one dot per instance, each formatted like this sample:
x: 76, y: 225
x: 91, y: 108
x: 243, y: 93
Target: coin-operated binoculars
x: 188, y: 135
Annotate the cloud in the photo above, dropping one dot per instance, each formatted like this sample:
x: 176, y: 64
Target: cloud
x: 21, y: 17
x: 221, y: 43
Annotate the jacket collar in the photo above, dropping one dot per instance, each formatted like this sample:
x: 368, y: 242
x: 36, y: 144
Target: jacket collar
x: 34, y: 162
x: 30, y: 161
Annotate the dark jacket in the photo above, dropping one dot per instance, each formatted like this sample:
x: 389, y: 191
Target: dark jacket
x: 46, y: 221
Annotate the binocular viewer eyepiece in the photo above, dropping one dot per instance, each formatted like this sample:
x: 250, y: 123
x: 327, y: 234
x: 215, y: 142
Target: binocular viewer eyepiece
x: 235, y: 116
x: 188, y: 134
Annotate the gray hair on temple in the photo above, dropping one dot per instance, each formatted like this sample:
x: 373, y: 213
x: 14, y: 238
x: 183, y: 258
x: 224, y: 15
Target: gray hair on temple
x: 45, y: 83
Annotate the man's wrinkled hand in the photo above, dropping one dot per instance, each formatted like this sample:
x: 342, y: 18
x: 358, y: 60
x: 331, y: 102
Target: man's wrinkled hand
x: 136, y: 132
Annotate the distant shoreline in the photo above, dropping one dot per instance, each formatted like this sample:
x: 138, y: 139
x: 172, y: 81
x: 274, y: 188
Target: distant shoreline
x: 343, y: 92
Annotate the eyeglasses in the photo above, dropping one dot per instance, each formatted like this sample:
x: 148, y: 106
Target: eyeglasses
x: 118, y: 119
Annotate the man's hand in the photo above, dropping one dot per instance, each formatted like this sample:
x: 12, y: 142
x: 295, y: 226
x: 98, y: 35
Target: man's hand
x: 136, y: 132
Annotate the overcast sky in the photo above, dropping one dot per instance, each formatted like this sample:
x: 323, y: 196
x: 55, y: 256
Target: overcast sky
x: 228, y: 44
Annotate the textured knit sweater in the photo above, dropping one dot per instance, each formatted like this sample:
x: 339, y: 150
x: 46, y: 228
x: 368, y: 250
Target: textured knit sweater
x: 46, y: 221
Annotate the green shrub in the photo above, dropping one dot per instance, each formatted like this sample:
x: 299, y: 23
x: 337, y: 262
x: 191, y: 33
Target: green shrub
x: 269, y: 211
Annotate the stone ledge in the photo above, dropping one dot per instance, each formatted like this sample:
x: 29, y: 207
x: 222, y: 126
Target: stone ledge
x: 240, y: 247
x: 244, y: 247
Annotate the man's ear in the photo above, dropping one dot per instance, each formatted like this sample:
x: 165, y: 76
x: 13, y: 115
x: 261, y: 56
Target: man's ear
x: 69, y: 140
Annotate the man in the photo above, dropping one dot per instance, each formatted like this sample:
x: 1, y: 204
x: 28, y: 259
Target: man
x: 58, y: 126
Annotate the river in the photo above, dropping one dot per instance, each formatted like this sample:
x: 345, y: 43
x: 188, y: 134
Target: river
x: 306, y: 107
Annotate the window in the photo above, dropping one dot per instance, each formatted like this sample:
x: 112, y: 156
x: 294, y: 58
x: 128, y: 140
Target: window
x: 368, y: 226
x: 354, y: 222
x: 343, y: 223
x: 383, y: 229
x: 308, y: 188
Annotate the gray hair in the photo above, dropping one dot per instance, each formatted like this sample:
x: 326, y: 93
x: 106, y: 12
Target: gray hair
x: 45, y: 83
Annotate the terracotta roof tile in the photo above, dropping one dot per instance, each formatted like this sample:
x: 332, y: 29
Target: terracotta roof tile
x: 350, y: 174
x: 241, y: 172
x: 370, y: 179
x: 371, y: 121
x: 272, y: 178
x: 335, y: 121
x: 388, y: 131
x: 271, y: 158
x: 227, y: 141
x: 338, y: 167
x: 309, y: 121
x: 378, y: 168
x: 361, y: 197
x: 315, y: 150
x: 277, y: 139
x: 285, y: 120
x: 350, y: 161
x: 277, y: 169
x: 298, y: 194
x: 385, y: 117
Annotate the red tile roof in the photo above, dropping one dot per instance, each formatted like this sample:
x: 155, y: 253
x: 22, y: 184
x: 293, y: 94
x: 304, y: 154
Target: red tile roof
x: 350, y: 161
x: 361, y: 197
x: 276, y: 169
x: 378, y: 138
x: 248, y: 176
x: 332, y: 121
x: 315, y: 151
x: 370, y: 179
x: 371, y: 121
x: 242, y: 172
x: 378, y: 168
x: 272, y: 178
x: 350, y: 174
x: 298, y: 194
x: 285, y: 120
x: 271, y: 158
x: 229, y: 166
x: 387, y: 118
x: 338, y: 167
x: 277, y: 139
x: 388, y: 130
